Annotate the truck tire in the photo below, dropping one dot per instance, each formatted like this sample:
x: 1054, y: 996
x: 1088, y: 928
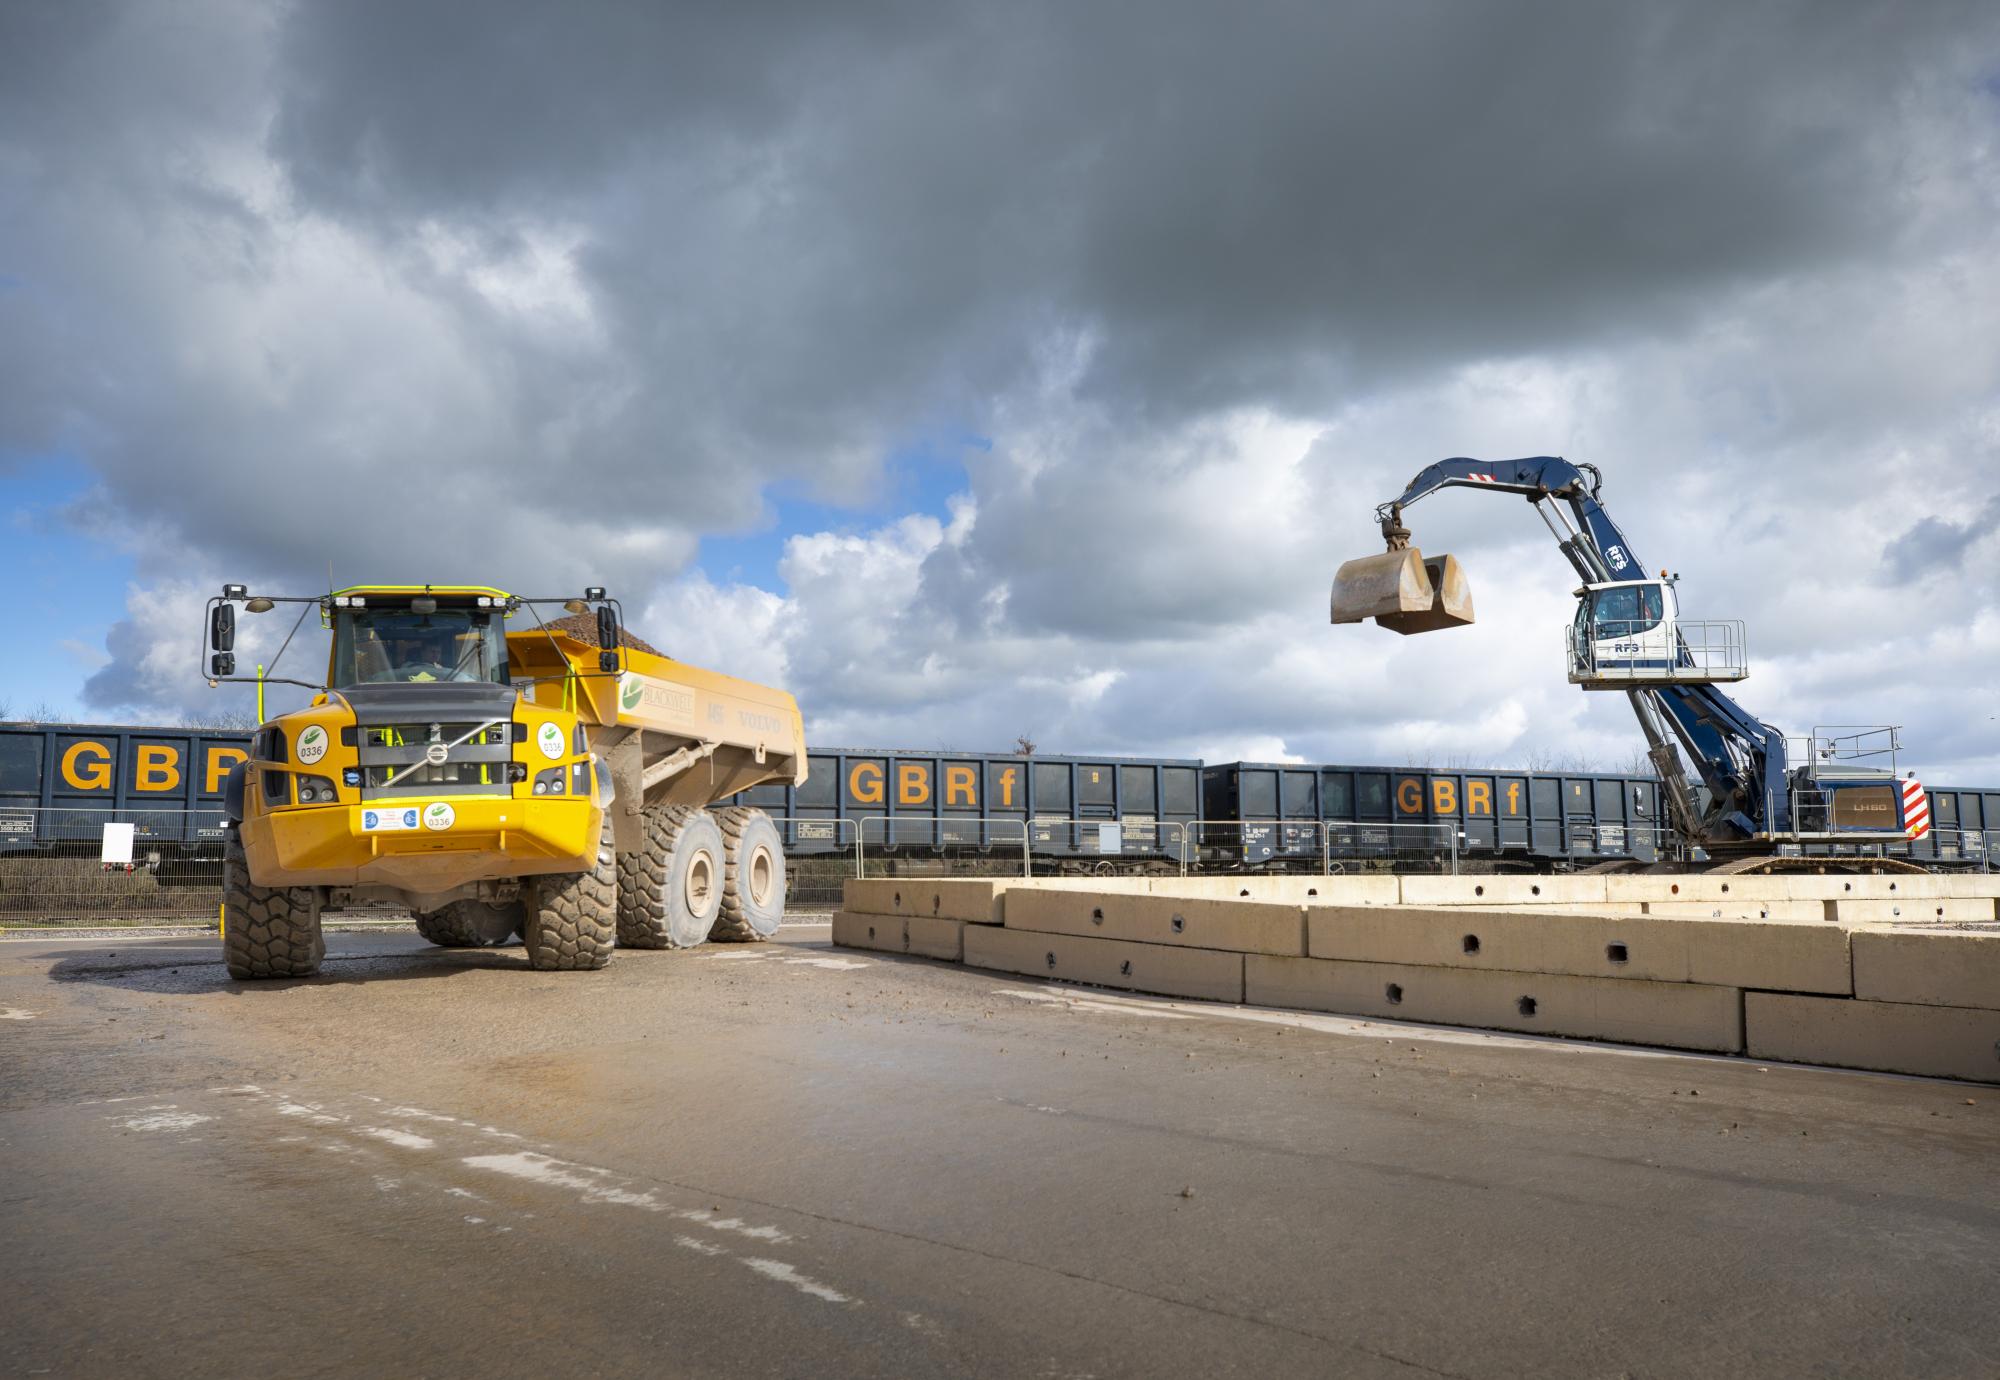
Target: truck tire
x: 572, y: 917
x: 753, y: 881
x: 470, y: 924
x: 670, y: 890
x: 267, y: 932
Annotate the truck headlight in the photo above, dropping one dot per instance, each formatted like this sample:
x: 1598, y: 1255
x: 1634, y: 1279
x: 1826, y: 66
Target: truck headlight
x: 550, y: 782
x: 316, y: 790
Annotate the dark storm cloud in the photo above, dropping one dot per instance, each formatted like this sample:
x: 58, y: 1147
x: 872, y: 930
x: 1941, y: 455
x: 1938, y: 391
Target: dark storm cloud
x: 1268, y: 203
x: 1938, y: 545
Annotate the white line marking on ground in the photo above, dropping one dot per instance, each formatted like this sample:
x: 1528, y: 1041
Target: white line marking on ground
x: 310, y: 1111
x: 785, y: 1274
x: 735, y: 1224
x: 15, y: 1013
x: 1108, y: 1006
x: 836, y: 964
x: 542, y: 1169
x: 407, y: 1139
x: 422, y: 1115
x: 703, y: 1247
x: 164, y: 1119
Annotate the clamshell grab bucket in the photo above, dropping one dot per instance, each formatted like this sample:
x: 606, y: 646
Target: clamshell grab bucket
x: 1403, y: 592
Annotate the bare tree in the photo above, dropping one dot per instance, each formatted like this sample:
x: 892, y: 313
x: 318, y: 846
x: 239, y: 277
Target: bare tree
x: 242, y: 720
x: 6, y: 708
x: 45, y: 713
x: 1024, y: 746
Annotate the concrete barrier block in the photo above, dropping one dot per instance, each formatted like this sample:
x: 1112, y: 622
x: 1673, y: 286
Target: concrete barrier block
x: 1161, y: 969
x: 1189, y: 922
x: 1910, y: 910
x: 1791, y: 956
x: 923, y: 935
x: 1679, y: 1015
x: 1730, y: 908
x: 1384, y: 890
x: 1928, y: 967
x: 946, y: 898
x: 1895, y: 1037
x: 1502, y: 891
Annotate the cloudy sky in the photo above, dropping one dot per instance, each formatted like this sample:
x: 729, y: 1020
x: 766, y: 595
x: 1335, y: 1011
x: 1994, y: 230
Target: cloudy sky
x: 978, y: 370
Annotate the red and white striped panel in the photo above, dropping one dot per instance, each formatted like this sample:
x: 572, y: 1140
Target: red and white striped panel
x: 1916, y: 810
x: 1482, y: 478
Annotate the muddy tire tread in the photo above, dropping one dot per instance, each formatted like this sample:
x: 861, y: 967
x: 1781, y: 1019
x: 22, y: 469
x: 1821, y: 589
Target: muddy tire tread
x: 267, y: 932
x: 572, y: 917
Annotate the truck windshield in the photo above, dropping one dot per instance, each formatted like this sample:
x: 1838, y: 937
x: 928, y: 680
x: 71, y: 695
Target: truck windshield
x: 376, y: 646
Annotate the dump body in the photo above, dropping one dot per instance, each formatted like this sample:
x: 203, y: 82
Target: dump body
x: 668, y: 732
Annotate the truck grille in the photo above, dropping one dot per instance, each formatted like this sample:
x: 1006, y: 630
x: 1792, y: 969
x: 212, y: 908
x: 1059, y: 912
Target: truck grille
x: 477, y: 764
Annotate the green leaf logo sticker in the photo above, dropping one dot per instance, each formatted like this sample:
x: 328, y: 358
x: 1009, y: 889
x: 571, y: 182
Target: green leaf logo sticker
x: 439, y: 816
x: 549, y: 738
x: 629, y: 694
x: 312, y: 744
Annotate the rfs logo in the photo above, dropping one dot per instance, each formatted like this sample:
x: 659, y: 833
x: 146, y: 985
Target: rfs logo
x: 1616, y: 555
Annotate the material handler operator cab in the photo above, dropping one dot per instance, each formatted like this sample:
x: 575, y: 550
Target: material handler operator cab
x: 1630, y: 632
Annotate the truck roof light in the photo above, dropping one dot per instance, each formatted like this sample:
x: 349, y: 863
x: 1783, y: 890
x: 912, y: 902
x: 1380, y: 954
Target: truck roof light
x: 594, y: 592
x: 235, y: 591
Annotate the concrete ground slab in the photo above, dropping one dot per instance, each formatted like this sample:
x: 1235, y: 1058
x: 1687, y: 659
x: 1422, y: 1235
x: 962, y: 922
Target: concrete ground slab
x: 1157, y: 968
x: 1793, y: 956
x: 1675, y: 1014
x: 1896, y: 1037
x: 1928, y: 967
x: 1231, y: 925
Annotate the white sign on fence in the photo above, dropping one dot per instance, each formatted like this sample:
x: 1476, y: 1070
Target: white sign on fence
x: 1110, y: 838
x: 118, y: 843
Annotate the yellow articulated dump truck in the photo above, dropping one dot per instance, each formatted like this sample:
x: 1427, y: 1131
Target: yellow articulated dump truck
x: 499, y: 775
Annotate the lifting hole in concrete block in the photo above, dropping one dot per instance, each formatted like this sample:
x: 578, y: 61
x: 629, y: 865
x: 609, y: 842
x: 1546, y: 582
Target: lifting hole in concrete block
x: 1050, y: 956
x: 1394, y: 992
x: 1180, y: 922
x: 1725, y: 888
x: 1244, y: 892
x: 899, y: 900
x: 1526, y: 1006
x: 871, y: 931
x: 1616, y: 953
x: 1472, y: 943
x: 1312, y: 891
x: 1097, y: 915
x: 1479, y: 891
x: 1125, y: 968
x: 1535, y: 890
x: 1675, y: 889
x: 937, y: 902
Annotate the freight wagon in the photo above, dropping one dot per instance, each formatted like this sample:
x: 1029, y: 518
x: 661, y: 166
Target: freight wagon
x: 1293, y: 817
x: 61, y: 783
x: 1072, y: 814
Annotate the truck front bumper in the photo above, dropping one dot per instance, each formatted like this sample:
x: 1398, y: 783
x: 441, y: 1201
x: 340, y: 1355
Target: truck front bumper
x: 422, y: 845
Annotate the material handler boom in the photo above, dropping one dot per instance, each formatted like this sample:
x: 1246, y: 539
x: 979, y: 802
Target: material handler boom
x: 1760, y: 791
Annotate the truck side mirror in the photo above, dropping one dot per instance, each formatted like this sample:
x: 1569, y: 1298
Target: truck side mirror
x: 222, y: 664
x: 607, y: 627
x: 222, y: 627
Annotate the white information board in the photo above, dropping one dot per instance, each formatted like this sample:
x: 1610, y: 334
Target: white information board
x: 118, y: 843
